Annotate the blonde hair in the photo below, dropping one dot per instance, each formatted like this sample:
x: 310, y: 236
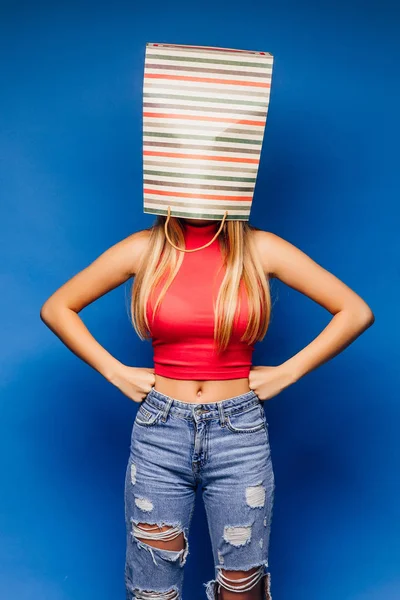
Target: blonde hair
x: 242, y: 263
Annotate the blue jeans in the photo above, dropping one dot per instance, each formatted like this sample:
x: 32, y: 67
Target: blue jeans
x: 175, y: 446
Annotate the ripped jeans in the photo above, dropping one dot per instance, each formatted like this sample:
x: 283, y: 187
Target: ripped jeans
x: 175, y: 446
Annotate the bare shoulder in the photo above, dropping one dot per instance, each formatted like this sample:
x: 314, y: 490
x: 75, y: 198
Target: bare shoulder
x: 126, y: 255
x: 268, y: 246
x: 133, y: 248
x: 282, y: 259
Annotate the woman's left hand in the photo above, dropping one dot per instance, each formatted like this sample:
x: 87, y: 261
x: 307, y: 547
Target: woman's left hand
x: 267, y: 382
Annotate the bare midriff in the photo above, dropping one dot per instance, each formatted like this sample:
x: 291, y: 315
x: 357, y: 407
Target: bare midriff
x: 188, y: 390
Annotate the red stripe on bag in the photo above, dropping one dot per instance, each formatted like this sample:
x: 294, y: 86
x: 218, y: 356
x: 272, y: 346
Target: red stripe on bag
x: 253, y: 161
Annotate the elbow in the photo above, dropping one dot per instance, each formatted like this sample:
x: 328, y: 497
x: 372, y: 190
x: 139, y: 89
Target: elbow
x: 366, y: 317
x: 49, y: 312
x: 361, y: 317
x: 370, y: 319
x: 45, y: 312
x: 53, y: 310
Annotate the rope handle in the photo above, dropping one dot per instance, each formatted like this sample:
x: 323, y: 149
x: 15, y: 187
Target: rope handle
x: 192, y: 249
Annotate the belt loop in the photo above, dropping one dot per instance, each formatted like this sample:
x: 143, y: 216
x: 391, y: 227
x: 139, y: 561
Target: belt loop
x: 166, y: 409
x: 221, y: 412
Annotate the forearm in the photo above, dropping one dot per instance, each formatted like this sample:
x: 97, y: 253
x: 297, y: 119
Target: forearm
x: 341, y: 331
x: 71, y: 330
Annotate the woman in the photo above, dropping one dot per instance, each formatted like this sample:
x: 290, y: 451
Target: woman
x: 200, y: 416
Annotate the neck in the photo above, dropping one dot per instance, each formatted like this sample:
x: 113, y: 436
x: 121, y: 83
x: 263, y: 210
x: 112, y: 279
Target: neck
x: 199, y: 234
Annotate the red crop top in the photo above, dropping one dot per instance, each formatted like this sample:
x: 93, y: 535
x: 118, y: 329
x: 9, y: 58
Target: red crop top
x: 183, y: 328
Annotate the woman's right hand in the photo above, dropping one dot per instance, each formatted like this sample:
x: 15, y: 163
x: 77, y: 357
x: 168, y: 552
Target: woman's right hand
x: 134, y: 382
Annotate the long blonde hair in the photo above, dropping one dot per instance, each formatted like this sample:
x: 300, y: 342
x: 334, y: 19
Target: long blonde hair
x: 242, y: 263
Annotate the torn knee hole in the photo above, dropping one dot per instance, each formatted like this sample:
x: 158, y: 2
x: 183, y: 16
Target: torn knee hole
x: 150, y: 595
x: 161, y: 533
x: 165, y: 542
x: 240, y: 581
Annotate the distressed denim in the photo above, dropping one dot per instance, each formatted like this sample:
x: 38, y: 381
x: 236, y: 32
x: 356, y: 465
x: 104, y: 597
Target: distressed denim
x: 176, y: 445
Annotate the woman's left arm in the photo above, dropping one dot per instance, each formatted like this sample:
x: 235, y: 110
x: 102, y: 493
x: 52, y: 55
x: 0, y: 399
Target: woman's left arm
x: 351, y: 314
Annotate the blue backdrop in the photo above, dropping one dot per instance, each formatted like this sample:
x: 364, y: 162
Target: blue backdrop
x: 71, y: 186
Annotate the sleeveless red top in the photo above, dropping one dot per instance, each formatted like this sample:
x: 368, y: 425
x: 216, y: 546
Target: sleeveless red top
x: 183, y: 329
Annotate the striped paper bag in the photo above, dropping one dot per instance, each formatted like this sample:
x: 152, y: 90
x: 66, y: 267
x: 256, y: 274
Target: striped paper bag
x: 204, y: 115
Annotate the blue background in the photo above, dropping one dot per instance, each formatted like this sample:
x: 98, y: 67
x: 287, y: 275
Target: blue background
x: 71, y: 186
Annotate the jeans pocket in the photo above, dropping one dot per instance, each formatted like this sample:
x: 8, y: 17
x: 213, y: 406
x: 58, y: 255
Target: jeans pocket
x: 147, y: 415
x: 247, y: 421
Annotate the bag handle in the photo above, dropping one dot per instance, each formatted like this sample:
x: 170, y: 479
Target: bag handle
x: 192, y: 249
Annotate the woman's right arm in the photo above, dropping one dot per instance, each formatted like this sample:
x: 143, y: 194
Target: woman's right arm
x: 60, y: 313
